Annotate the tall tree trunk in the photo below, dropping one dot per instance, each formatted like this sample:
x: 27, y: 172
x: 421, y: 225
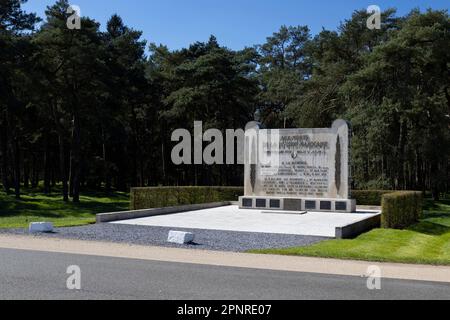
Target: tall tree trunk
x: 141, y: 167
x: 62, y: 168
x: 53, y: 176
x: 34, y: 172
x: 134, y: 164
x: 448, y: 177
x: 47, y: 168
x: 107, y: 177
x: 26, y: 173
x: 163, y: 159
x: 134, y: 169
x: 401, y: 156
x: 16, y: 155
x: 71, y: 169
x: 75, y: 156
x: 435, y: 187
x: 4, y: 165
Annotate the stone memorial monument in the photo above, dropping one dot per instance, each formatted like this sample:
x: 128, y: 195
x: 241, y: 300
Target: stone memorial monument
x: 298, y: 169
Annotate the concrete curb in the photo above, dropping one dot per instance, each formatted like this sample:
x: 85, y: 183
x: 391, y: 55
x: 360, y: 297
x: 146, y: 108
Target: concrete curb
x: 353, y: 230
x: 126, y: 215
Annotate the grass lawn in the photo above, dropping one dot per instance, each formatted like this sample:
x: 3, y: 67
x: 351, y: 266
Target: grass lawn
x: 35, y: 207
x: 427, y: 242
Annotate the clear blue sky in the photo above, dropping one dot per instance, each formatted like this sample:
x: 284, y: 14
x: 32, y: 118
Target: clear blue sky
x: 236, y: 23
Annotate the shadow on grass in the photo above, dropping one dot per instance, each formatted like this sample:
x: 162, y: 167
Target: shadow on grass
x: 445, y: 202
x: 94, y: 207
x: 437, y: 210
x: 15, y: 205
x: 430, y: 228
x: 431, y: 205
x: 104, y: 194
x: 52, y: 206
x: 436, y: 215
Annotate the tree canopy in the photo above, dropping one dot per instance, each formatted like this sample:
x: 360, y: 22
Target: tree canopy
x: 93, y: 109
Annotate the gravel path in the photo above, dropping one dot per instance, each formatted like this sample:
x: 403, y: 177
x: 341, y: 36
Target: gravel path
x: 157, y: 236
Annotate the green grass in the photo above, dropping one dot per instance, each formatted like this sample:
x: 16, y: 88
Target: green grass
x: 427, y: 242
x: 35, y: 206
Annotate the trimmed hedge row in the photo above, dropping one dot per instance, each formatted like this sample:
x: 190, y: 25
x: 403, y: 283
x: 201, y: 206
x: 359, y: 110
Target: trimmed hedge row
x: 401, y: 209
x: 369, y: 197
x: 158, y: 197
x: 144, y: 198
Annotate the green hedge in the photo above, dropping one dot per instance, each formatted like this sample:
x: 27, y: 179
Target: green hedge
x: 369, y: 197
x: 401, y: 209
x: 144, y: 198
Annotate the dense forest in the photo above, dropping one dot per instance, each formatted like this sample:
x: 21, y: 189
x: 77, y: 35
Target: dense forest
x: 95, y: 108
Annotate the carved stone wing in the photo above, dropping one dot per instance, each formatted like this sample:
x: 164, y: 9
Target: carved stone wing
x: 338, y: 165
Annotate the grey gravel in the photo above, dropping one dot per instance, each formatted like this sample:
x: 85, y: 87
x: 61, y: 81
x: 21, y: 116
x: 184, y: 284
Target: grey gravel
x: 157, y: 236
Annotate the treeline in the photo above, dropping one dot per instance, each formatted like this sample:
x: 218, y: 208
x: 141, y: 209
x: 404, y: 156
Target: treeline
x: 91, y: 109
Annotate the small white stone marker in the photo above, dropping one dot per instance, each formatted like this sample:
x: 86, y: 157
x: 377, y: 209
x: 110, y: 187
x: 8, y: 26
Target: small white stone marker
x: 180, y: 237
x: 41, y: 227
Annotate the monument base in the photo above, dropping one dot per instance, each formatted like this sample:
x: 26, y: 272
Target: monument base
x: 297, y: 204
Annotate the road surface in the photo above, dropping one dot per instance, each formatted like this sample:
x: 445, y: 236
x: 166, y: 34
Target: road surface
x: 42, y: 275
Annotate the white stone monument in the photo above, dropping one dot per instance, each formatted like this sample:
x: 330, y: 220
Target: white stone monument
x: 298, y: 169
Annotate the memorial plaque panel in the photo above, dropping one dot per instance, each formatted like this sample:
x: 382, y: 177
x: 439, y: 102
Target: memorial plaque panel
x: 261, y: 203
x: 248, y: 203
x: 292, y: 204
x: 341, y: 206
x: 325, y: 205
x: 302, y: 163
x: 289, y: 167
x: 275, y: 204
x: 310, y: 205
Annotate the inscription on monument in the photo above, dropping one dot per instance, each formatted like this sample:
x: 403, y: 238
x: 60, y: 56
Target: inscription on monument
x: 310, y: 163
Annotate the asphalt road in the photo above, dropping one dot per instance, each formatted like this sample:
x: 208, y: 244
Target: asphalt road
x: 42, y: 275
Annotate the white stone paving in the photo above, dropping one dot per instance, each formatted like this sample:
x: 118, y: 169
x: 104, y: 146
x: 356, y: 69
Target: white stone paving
x: 231, y: 218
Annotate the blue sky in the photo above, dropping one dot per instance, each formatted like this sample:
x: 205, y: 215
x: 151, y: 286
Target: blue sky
x: 236, y: 24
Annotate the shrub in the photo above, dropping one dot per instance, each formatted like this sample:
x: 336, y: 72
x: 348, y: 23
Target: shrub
x: 380, y: 183
x: 145, y: 198
x: 369, y: 197
x: 158, y: 197
x: 401, y: 209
